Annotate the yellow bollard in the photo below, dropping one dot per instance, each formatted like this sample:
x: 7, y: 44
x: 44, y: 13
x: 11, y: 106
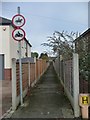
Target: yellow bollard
x: 84, y: 102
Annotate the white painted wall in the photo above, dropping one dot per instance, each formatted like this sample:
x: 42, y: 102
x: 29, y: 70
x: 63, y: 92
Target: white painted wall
x: 13, y: 47
x: 0, y: 40
x: 9, y: 46
x: 29, y: 51
x: 5, y: 42
x: 23, y: 46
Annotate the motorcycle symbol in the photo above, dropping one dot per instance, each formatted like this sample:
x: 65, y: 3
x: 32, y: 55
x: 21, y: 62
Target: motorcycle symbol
x: 18, y: 34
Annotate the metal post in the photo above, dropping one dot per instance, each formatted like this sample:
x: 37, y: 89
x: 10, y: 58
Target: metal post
x: 20, y: 68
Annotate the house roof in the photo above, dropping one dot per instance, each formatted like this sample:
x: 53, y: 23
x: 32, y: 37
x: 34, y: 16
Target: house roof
x: 5, y: 21
x: 82, y: 35
x: 27, y: 42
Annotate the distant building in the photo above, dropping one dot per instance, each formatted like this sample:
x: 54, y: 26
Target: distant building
x: 9, y: 47
x: 81, y: 43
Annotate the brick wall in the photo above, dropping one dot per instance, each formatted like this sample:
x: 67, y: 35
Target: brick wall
x: 8, y: 74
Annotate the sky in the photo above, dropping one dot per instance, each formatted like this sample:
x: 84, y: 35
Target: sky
x: 43, y: 18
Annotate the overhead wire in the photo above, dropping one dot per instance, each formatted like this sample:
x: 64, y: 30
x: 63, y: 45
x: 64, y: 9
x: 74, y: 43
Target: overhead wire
x: 47, y: 17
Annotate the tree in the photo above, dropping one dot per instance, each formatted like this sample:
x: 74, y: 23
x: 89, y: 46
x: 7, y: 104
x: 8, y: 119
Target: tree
x: 34, y: 54
x: 62, y: 43
x: 44, y: 56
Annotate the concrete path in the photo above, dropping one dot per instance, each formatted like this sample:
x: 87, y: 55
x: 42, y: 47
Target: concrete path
x: 46, y: 100
x: 5, y: 96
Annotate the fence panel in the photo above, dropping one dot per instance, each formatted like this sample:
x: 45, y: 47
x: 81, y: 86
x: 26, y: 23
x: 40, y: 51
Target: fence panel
x: 32, y: 72
x: 68, y: 80
x: 25, y: 75
x: 69, y: 77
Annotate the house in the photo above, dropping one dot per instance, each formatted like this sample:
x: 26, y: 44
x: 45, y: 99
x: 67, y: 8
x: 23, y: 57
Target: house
x: 81, y: 43
x: 82, y: 48
x: 9, y: 47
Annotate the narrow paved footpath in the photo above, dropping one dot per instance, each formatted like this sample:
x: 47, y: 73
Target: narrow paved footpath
x: 46, y: 100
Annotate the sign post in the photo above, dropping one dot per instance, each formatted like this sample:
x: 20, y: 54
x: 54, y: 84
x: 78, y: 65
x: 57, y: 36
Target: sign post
x: 20, y: 68
x: 18, y: 34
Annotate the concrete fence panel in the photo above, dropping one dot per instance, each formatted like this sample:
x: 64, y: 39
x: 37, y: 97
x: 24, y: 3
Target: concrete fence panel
x: 69, y: 78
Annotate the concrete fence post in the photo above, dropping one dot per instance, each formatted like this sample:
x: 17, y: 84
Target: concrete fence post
x: 76, y: 85
x: 14, y: 96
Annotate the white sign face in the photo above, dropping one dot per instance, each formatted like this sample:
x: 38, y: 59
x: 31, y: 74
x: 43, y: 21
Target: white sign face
x: 18, y: 34
x: 18, y: 20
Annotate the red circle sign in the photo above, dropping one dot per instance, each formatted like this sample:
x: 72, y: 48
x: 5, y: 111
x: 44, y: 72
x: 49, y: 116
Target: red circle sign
x: 18, y: 20
x: 18, y: 34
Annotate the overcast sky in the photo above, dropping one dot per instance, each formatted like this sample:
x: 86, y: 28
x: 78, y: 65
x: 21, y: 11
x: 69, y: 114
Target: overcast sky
x: 43, y: 18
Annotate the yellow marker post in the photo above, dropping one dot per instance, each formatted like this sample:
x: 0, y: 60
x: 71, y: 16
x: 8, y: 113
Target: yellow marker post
x: 84, y: 102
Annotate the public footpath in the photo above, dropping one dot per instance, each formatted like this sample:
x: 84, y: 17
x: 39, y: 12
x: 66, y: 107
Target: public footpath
x: 46, y: 99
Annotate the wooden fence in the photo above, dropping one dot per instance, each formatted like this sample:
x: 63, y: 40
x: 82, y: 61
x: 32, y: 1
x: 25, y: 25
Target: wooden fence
x: 31, y: 72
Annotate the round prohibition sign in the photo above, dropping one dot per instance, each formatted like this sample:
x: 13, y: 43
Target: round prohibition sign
x: 18, y: 34
x: 18, y: 20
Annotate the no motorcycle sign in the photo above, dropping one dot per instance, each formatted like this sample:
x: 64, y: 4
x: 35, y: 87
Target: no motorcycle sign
x: 18, y: 34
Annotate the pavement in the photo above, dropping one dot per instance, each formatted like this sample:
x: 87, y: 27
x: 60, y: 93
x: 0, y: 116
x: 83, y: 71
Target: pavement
x: 5, y: 96
x: 46, y: 99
